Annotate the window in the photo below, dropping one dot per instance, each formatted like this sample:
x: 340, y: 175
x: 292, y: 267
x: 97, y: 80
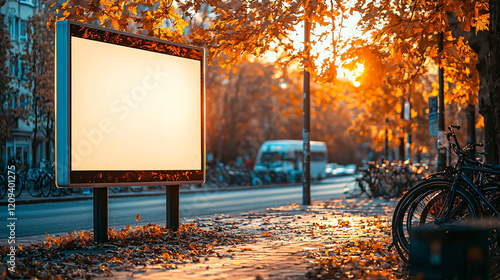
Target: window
x: 24, y: 101
x: 317, y: 156
x: 23, y: 69
x: 13, y: 28
x: 27, y: 2
x: 12, y: 100
x: 13, y: 67
x: 268, y: 157
x: 23, y: 32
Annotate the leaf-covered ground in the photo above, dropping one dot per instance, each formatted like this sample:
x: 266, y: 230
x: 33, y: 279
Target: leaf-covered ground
x: 76, y: 256
x: 341, y: 239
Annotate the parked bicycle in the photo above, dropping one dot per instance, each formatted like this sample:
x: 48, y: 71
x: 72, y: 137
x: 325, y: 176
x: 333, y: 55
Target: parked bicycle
x: 466, y: 191
x: 3, y: 186
x: 40, y: 181
x: 17, y: 175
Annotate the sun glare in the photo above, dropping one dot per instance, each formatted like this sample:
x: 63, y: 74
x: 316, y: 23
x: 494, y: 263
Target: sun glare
x: 352, y: 75
x: 322, y: 49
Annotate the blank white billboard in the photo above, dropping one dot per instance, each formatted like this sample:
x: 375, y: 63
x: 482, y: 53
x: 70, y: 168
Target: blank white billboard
x: 133, y: 109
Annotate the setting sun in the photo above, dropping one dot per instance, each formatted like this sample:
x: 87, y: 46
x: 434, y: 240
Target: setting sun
x: 352, y: 75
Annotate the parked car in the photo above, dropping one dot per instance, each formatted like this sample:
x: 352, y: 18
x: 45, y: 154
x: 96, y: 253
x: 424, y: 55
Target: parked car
x: 330, y: 169
x: 350, y: 169
x: 340, y: 170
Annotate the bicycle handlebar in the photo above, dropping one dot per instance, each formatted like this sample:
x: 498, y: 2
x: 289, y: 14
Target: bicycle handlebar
x: 462, y: 152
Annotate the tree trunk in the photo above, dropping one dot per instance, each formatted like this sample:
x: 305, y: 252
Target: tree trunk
x: 482, y: 50
x: 234, y: 111
x: 222, y: 126
x: 471, y: 123
x: 490, y: 141
x: 48, y: 138
x: 477, y: 39
x: 35, y: 137
x: 494, y: 63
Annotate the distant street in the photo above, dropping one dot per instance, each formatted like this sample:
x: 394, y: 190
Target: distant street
x: 61, y: 217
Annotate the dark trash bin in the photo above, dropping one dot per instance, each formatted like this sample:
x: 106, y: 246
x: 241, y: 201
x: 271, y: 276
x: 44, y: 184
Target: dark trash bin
x: 450, y: 252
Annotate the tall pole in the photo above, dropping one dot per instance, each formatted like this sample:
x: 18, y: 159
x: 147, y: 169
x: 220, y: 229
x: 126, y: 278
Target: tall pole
x: 441, y: 150
x: 408, y: 117
x: 306, y: 130
x: 386, y: 141
x: 402, y: 136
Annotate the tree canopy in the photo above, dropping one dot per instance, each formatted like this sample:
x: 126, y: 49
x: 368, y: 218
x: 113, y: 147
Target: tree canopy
x: 398, y: 48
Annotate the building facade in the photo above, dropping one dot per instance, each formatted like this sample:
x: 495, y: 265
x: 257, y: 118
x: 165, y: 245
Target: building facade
x: 19, y: 144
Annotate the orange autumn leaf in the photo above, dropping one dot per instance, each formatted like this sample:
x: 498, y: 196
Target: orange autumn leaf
x: 267, y: 234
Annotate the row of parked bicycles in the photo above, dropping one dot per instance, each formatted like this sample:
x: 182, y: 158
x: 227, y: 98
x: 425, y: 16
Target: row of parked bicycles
x: 389, y: 179
x: 39, y: 182
x: 221, y: 175
x: 36, y: 181
x: 467, y: 191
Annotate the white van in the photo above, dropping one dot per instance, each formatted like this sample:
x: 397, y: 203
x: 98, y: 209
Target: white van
x: 287, y: 155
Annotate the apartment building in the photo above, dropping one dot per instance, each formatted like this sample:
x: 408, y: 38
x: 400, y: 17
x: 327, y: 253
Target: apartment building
x: 19, y: 145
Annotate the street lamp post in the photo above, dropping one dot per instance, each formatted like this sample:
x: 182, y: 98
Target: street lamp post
x: 306, y: 130
x: 408, y: 119
x: 402, y: 137
x: 441, y: 150
x: 386, y: 141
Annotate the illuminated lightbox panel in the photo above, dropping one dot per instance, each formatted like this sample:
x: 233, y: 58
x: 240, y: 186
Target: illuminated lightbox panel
x: 129, y: 109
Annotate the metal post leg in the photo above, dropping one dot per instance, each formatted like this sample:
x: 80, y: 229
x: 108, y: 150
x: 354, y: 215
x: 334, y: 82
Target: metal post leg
x: 173, y: 207
x: 100, y: 215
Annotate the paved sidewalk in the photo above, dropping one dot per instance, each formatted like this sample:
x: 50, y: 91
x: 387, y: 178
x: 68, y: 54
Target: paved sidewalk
x: 288, y: 242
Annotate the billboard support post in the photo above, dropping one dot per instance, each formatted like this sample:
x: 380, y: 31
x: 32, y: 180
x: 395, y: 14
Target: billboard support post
x: 173, y: 207
x: 100, y: 215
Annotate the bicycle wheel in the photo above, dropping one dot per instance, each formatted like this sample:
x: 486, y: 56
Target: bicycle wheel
x: 256, y: 181
x: 54, y: 190
x: 411, y: 195
x: 359, y: 188
x: 46, y: 185
x: 391, y: 187
x: 371, y: 188
x: 33, y: 187
x: 32, y: 183
x: 423, y: 207
x: 19, y: 183
x: 3, y: 186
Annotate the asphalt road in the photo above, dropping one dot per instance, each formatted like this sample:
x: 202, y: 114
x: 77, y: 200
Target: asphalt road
x: 61, y: 217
